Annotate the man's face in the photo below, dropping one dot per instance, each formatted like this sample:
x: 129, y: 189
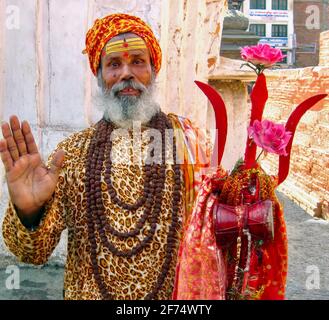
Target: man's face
x: 127, y: 81
x: 122, y: 61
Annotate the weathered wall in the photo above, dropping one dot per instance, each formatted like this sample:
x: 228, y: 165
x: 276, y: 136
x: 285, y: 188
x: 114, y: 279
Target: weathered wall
x: 308, y: 181
x: 190, y: 40
x: 45, y: 79
x: 324, y: 53
x: 234, y: 94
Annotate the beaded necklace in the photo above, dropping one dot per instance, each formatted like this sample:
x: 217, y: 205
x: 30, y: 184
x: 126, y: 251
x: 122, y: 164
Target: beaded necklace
x: 99, y: 154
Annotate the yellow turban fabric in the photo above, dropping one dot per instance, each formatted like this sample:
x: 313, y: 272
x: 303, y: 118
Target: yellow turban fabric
x: 110, y: 26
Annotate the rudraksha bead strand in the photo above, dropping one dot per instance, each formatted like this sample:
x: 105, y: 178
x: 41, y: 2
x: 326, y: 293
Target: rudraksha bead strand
x: 154, y: 188
x: 171, y: 241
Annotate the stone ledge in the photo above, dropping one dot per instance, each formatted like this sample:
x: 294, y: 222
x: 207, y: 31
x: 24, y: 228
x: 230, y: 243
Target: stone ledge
x: 230, y: 69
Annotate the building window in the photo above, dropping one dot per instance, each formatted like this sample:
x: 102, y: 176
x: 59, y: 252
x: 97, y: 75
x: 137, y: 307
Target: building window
x: 279, y: 30
x: 279, y: 5
x: 259, y: 29
x: 284, y: 60
x: 257, y: 4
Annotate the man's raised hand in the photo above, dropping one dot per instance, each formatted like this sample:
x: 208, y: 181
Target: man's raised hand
x: 30, y: 182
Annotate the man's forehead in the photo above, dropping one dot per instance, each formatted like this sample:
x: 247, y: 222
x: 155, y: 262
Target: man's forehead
x: 125, y: 43
x: 127, y: 54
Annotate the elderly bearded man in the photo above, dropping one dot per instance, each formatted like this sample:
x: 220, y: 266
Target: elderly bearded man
x: 124, y: 219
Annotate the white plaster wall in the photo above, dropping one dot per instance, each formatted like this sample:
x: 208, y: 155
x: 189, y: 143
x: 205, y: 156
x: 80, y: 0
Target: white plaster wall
x: 45, y: 78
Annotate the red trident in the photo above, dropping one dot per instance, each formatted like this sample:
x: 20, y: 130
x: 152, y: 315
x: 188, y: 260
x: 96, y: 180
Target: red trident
x: 258, y: 97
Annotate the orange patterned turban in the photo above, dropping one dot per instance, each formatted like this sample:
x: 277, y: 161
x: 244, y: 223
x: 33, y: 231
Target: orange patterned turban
x: 110, y: 26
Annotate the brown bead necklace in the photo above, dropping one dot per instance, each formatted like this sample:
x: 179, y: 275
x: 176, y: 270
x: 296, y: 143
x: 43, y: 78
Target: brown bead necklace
x: 154, y: 182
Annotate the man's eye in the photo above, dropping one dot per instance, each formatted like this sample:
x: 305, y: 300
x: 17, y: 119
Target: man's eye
x: 114, y: 64
x: 138, y: 61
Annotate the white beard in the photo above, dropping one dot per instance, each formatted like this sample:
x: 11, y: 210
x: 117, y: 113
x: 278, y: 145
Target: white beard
x: 124, y: 111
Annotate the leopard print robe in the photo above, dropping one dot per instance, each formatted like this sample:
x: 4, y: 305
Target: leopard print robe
x: 126, y: 278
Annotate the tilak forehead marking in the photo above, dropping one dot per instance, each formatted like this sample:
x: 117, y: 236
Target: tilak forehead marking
x: 124, y: 45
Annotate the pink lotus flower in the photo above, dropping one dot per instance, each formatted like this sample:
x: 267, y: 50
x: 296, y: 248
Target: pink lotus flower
x: 271, y: 137
x: 261, y: 56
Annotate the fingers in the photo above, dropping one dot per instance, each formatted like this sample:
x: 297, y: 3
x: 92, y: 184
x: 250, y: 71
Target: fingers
x: 11, y: 144
x: 18, y: 135
x: 29, y: 139
x: 5, y: 156
x: 56, y: 163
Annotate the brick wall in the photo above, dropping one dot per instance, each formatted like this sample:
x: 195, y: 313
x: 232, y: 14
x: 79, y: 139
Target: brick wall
x: 324, y: 44
x: 308, y: 180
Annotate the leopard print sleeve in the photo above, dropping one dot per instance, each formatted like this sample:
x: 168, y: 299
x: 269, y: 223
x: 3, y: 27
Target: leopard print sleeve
x: 35, y: 246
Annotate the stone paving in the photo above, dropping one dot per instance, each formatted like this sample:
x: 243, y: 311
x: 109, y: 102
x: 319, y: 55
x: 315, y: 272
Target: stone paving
x: 308, y: 275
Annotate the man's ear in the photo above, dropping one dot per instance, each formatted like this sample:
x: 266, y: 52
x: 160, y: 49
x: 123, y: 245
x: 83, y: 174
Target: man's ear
x: 100, y: 77
x: 154, y: 74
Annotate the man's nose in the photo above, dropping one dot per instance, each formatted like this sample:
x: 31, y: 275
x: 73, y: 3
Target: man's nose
x: 126, y: 73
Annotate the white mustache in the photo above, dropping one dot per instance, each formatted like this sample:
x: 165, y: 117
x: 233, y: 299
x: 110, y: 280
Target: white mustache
x: 128, y: 84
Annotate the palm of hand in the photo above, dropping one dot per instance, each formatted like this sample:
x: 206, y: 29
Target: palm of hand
x: 30, y: 182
